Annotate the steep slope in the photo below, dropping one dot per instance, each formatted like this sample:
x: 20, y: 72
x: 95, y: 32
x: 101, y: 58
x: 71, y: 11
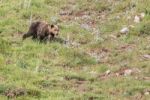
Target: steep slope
x: 89, y: 60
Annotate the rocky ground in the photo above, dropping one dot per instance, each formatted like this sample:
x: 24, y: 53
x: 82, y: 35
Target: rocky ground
x: 102, y: 52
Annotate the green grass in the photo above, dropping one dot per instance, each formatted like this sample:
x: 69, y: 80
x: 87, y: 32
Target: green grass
x: 30, y: 70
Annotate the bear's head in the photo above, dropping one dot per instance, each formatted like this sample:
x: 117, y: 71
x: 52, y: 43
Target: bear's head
x: 54, y: 30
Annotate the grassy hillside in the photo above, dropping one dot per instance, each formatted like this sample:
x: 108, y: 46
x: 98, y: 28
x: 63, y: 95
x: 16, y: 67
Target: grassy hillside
x: 96, y: 62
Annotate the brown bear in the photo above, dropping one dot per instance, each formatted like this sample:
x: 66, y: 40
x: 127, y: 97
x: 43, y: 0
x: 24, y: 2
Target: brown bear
x: 41, y: 30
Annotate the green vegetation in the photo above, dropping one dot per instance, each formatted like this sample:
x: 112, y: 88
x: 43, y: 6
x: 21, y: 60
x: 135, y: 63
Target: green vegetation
x: 145, y: 28
x: 96, y: 63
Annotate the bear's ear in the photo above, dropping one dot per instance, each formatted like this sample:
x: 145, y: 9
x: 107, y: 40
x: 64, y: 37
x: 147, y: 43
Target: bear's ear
x: 52, y: 26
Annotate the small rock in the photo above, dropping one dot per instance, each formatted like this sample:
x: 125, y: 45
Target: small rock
x: 142, y: 15
x: 86, y: 26
x: 76, y: 18
x: 146, y: 56
x: 147, y: 93
x: 93, y: 73
x: 86, y: 17
x: 54, y: 19
x: 136, y: 19
x: 117, y: 17
x: 62, y: 13
x: 132, y: 26
x: 127, y: 72
x: 75, y: 44
x: 124, y: 30
x: 146, y: 78
x: 117, y: 74
x: 107, y: 72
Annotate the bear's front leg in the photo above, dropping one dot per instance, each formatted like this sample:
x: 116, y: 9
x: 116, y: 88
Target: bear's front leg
x: 49, y: 38
x: 26, y: 35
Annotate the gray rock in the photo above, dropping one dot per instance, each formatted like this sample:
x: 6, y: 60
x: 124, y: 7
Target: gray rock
x: 146, y: 93
x: 147, y: 56
x: 137, y: 19
x: 86, y: 17
x: 124, y: 30
x: 86, y: 26
x: 128, y: 72
x: 54, y: 19
x: 142, y: 15
x: 108, y: 72
x: 68, y: 12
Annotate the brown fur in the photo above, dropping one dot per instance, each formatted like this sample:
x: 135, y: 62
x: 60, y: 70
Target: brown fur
x: 41, y: 30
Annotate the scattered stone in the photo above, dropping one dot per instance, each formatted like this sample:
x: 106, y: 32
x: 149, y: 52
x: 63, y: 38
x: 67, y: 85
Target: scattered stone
x: 75, y: 44
x: 127, y: 47
x: 124, y: 30
x: 131, y: 26
x: 76, y: 18
x: 108, y: 72
x: 128, y: 72
x: 146, y: 78
x: 117, y: 74
x: 86, y: 17
x: 62, y: 13
x: 137, y: 19
x: 147, y: 56
x: 85, y: 26
x: 147, y: 93
x: 93, y: 73
x: 54, y: 19
x: 142, y: 15
x: 131, y: 71
x: 117, y: 17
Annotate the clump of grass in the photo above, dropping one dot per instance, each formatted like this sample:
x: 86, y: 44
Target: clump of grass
x: 73, y: 58
x: 34, y: 92
x: 15, y: 92
x: 2, y: 60
x: 76, y: 77
x: 2, y: 89
x: 102, y: 68
x: 4, y: 46
x: 145, y: 28
x: 57, y: 71
x: 147, y: 11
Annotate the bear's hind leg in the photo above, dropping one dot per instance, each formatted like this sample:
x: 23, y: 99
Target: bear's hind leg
x: 28, y: 34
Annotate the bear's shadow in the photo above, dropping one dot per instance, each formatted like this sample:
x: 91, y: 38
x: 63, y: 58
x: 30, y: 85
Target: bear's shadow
x: 56, y: 39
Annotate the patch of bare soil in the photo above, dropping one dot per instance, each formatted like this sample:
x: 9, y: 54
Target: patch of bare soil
x: 101, y: 54
x: 78, y: 84
x: 124, y: 71
x: 141, y: 95
x: 126, y: 47
x: 13, y: 93
x: 143, y: 78
x: 2, y: 78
